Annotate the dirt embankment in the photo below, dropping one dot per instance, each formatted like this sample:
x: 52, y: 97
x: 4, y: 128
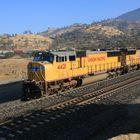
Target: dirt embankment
x: 13, y: 69
x: 127, y: 137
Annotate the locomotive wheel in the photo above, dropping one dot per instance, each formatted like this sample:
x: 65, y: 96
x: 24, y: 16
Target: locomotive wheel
x: 79, y: 82
x: 26, y: 94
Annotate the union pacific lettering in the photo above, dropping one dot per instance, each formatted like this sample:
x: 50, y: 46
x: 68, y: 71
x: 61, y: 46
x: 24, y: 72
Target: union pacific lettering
x: 93, y: 59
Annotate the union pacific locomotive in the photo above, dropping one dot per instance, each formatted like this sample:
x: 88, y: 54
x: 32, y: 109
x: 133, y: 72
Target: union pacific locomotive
x: 53, y: 71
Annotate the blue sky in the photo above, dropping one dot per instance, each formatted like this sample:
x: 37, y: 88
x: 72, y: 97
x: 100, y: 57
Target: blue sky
x: 16, y: 16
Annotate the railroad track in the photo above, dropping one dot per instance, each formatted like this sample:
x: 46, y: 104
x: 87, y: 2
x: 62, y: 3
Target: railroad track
x: 17, y: 108
x: 94, y: 96
x: 14, y: 129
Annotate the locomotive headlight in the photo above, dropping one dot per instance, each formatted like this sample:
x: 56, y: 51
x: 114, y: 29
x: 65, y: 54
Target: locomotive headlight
x: 37, y: 68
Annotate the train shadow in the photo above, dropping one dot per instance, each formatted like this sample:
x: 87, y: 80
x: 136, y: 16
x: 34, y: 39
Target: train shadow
x: 91, y: 122
x: 95, y: 122
x: 103, y: 122
x: 10, y: 92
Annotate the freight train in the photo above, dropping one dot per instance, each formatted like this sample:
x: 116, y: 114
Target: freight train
x: 56, y: 71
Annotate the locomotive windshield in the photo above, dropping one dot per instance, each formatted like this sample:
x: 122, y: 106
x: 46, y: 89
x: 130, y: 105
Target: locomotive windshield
x: 43, y: 56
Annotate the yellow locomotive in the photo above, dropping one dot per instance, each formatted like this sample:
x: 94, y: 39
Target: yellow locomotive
x: 53, y: 71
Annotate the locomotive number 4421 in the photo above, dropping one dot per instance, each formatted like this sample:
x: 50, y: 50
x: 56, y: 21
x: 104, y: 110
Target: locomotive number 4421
x: 61, y: 66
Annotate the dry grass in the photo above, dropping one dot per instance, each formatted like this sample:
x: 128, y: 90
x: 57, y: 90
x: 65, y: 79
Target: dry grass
x: 127, y: 137
x: 31, y: 42
x: 109, y: 31
x: 13, y: 69
x: 28, y: 41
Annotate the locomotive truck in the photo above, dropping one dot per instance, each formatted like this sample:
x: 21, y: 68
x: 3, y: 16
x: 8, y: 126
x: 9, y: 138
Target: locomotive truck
x: 56, y: 71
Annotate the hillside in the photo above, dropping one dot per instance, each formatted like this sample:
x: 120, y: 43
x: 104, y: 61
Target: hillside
x: 51, y: 32
x: 105, y: 34
x: 131, y: 16
x: 123, y: 31
x: 24, y: 42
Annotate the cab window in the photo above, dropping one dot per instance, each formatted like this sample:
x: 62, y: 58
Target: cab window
x: 61, y: 59
x: 43, y: 56
x: 72, y: 58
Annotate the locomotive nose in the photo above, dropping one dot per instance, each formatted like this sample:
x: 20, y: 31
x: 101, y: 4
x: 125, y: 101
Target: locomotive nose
x: 34, y: 67
x: 35, y: 71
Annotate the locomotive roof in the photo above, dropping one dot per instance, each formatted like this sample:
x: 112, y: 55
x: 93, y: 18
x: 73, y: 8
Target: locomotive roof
x: 68, y: 53
x: 63, y: 53
x: 93, y: 52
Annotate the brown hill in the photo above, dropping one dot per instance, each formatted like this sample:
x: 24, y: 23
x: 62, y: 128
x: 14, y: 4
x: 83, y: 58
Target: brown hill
x: 25, y: 42
x: 105, y: 34
x: 88, y: 37
x: 51, y: 32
